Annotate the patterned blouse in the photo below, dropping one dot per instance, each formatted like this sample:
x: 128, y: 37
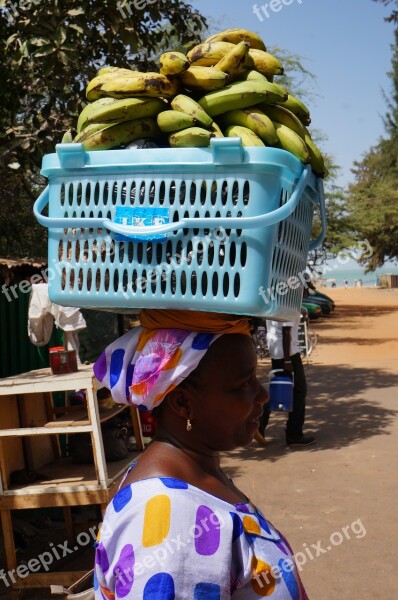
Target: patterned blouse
x: 164, y: 539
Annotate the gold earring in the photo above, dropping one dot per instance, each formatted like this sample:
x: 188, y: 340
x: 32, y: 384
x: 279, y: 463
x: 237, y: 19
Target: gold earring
x: 189, y: 425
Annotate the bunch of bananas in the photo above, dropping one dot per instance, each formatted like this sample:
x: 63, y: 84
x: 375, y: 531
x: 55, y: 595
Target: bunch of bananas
x: 229, y: 77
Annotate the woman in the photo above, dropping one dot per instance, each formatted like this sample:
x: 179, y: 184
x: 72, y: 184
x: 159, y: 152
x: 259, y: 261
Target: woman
x: 179, y: 528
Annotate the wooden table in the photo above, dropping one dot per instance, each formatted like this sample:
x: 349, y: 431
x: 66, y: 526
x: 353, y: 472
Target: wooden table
x: 29, y: 429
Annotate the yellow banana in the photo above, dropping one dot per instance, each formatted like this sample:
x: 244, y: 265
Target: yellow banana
x: 105, y: 70
x: 233, y: 63
x: 207, y: 55
x: 240, y: 94
x: 127, y: 109
x: 90, y: 130
x: 203, y: 78
x: 90, y: 110
x: 248, y: 137
x: 298, y: 108
x: 216, y: 130
x: 266, y: 63
x: 252, y: 118
x: 317, y: 161
x: 238, y: 35
x: 191, y: 137
x: 93, y: 89
x: 254, y: 75
x: 173, y: 120
x: 281, y: 114
x: 173, y: 63
x: 122, y: 133
x: 290, y: 141
x: 187, y: 105
x: 145, y: 84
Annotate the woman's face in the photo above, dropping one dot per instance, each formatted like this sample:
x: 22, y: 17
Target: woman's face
x: 227, y: 397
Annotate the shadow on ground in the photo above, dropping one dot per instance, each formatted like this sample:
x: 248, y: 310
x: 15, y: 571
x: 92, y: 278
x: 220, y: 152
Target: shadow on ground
x: 339, y: 410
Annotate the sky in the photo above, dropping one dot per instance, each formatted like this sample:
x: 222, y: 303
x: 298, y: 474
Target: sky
x: 346, y: 44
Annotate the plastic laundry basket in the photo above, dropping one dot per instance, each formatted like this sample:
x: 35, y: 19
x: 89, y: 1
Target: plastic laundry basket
x: 221, y: 229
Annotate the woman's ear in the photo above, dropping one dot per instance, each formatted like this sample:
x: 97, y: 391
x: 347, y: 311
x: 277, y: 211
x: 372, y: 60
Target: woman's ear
x: 179, y: 402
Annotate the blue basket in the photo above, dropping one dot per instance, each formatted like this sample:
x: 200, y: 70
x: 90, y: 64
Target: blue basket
x: 220, y: 229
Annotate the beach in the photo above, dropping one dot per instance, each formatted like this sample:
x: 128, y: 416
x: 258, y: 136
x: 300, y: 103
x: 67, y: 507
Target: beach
x: 336, y: 501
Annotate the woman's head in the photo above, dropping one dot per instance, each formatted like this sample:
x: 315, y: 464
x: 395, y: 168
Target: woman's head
x: 222, y: 398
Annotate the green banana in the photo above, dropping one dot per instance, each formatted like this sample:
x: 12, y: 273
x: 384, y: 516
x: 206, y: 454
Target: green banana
x: 254, y: 119
x: 254, y: 75
x: 266, y: 63
x: 203, y: 78
x: 248, y: 137
x: 91, y: 109
x: 282, y: 115
x: 317, y: 161
x: 122, y: 133
x: 290, y: 141
x: 67, y: 138
x: 191, y: 137
x: 90, y: 130
x: 297, y: 107
x: 173, y: 120
x: 216, y: 130
x: 240, y: 94
x: 127, y: 109
x: 233, y: 63
x: 144, y: 84
x: 208, y: 54
x: 189, y: 106
x: 173, y: 63
x: 235, y: 36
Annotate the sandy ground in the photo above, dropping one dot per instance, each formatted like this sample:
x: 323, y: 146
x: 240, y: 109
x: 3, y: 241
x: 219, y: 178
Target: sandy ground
x: 336, y: 501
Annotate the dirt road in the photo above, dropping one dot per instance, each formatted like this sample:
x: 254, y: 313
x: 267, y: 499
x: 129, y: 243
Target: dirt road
x: 337, y: 501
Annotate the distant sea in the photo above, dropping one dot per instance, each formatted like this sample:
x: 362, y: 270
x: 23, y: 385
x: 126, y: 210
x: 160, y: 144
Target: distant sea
x: 355, y: 275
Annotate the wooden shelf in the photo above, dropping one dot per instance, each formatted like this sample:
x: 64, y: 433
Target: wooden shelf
x: 79, y: 416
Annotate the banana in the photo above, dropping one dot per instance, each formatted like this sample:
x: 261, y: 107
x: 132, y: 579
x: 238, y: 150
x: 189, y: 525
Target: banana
x: 145, y: 84
x: 191, y: 137
x: 189, y: 106
x: 216, y: 130
x: 317, y: 162
x: 90, y: 130
x: 282, y: 115
x: 248, y: 137
x: 122, y: 133
x: 254, y: 75
x: 254, y: 119
x: 105, y: 70
x: 91, y: 109
x: 173, y: 63
x: 67, y: 138
x: 290, y: 141
x: 233, y: 63
x: 172, y: 120
x: 298, y: 108
x: 93, y: 89
x: 203, y: 78
x: 207, y: 55
x: 127, y: 109
x: 240, y: 94
x: 266, y: 63
x: 238, y: 35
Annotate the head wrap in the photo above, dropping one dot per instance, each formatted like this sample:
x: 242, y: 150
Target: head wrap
x: 146, y: 363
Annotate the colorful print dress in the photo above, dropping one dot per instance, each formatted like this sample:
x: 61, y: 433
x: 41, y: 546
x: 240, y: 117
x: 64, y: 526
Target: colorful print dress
x: 164, y: 539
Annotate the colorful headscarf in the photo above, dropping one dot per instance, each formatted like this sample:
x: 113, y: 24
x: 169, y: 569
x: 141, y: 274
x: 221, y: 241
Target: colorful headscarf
x: 145, y: 364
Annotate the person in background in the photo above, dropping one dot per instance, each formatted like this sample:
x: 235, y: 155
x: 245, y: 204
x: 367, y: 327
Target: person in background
x: 282, y: 341
x: 179, y: 528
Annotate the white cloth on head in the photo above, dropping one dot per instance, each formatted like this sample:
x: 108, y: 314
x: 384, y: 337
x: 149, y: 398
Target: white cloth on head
x: 275, y: 340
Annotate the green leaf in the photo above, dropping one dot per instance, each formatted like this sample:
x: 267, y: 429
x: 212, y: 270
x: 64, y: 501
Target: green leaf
x: 63, y: 58
x: 45, y: 51
x: 59, y: 36
x: 11, y: 39
x: 39, y: 41
x: 74, y: 12
x: 77, y: 28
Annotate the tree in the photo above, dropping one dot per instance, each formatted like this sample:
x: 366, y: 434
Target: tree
x: 393, y: 17
x: 49, y: 51
x: 373, y: 197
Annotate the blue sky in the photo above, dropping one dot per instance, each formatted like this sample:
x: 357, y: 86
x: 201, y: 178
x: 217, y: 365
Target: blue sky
x: 346, y: 44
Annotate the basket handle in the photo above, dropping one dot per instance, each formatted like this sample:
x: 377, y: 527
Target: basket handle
x: 315, y: 243
x: 188, y: 223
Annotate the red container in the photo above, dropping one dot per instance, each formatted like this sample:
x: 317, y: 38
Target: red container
x: 62, y: 361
